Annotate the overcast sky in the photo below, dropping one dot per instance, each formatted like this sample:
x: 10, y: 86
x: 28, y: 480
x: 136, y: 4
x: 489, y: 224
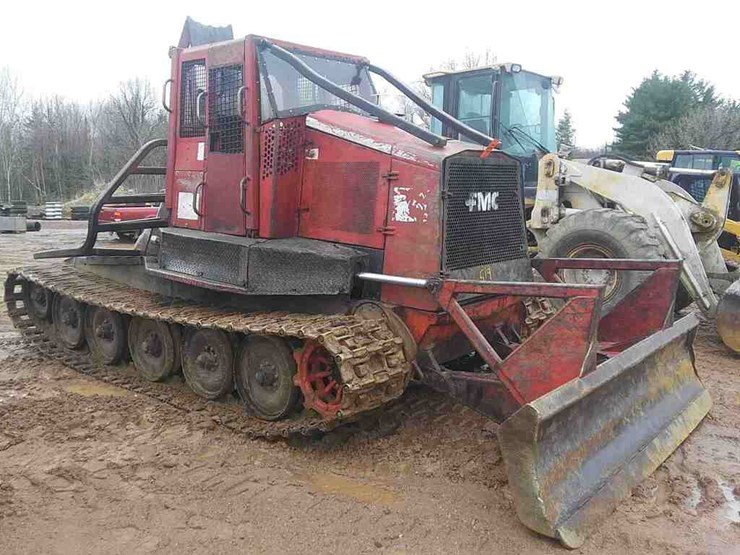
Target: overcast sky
x: 81, y: 50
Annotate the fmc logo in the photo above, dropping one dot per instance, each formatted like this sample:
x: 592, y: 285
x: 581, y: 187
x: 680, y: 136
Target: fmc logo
x: 482, y: 202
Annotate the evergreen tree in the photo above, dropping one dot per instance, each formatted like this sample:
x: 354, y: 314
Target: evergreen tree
x: 656, y: 103
x: 564, y: 133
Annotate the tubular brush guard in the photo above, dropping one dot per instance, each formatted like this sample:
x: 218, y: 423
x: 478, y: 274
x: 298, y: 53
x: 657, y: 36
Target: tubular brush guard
x: 576, y: 437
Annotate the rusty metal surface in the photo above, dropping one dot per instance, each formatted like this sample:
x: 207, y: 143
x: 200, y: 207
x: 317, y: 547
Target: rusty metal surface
x: 566, y: 340
x: 728, y: 317
x: 573, y: 454
x: 370, y: 357
x: 645, y: 310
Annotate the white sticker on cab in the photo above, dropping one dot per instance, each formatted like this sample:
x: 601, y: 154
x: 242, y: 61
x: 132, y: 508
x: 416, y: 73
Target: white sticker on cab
x: 185, y: 209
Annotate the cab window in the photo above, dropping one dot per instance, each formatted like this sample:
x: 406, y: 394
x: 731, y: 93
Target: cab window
x: 438, y: 97
x: 475, y: 95
x: 731, y: 162
x: 683, y: 161
x: 704, y: 162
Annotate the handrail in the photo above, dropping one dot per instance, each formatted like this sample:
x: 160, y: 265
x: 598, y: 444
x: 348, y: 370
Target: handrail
x: 457, y: 125
x: 357, y: 101
x: 107, y: 197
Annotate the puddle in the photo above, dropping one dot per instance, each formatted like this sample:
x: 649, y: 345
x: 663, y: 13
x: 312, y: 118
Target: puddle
x: 88, y: 389
x: 731, y: 510
x: 361, y: 491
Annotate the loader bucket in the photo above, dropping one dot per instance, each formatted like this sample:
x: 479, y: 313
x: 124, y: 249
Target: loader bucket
x: 573, y: 454
x: 728, y: 317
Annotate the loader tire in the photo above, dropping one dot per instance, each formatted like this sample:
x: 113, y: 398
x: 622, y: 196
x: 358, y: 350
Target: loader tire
x: 602, y: 233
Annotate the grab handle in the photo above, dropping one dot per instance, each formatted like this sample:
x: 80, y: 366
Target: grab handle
x: 243, y: 194
x: 164, y: 95
x: 240, y: 103
x: 196, y: 198
x: 198, y: 111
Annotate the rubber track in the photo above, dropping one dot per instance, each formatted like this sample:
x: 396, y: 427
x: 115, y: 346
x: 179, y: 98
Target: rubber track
x: 369, y: 355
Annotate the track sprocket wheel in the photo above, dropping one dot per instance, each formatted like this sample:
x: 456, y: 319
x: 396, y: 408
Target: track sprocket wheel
x: 320, y: 382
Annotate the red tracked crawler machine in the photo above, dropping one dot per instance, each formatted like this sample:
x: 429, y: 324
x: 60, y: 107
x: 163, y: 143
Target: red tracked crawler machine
x: 322, y: 251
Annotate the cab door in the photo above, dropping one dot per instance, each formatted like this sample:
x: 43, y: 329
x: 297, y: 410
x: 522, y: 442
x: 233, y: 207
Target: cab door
x: 223, y: 203
x: 187, y: 147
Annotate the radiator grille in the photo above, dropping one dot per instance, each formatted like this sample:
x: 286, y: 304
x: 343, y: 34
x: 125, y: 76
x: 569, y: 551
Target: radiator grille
x: 484, y: 220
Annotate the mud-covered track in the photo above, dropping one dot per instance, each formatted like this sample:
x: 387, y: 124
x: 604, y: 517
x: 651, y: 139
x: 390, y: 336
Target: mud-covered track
x: 424, y: 405
x: 368, y: 355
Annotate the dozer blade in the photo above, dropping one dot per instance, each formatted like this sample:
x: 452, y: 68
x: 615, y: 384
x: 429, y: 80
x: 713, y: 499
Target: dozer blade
x: 728, y: 317
x: 574, y: 453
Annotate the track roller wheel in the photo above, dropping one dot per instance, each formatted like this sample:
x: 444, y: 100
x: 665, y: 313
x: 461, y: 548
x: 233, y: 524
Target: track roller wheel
x: 154, y: 347
x: 38, y: 302
x: 69, y: 321
x: 207, y: 362
x: 106, y: 334
x: 264, y: 373
x: 319, y: 379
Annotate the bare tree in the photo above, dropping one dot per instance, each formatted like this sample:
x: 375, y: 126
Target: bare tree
x: 469, y: 60
x: 133, y: 115
x: 709, y: 127
x: 466, y: 61
x: 54, y: 148
x: 128, y: 119
x: 11, y: 115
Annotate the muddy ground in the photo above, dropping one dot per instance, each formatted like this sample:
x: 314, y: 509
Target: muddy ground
x: 86, y: 467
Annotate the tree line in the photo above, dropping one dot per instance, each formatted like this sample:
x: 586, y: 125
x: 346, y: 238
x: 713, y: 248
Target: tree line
x: 53, y: 148
x: 669, y: 112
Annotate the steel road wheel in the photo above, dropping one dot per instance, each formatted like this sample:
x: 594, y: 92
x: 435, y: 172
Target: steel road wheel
x: 106, y: 334
x: 264, y: 375
x: 69, y: 321
x: 154, y: 348
x: 207, y: 362
x: 38, y: 302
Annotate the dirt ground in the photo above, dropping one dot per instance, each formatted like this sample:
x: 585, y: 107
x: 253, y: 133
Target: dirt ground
x: 86, y: 467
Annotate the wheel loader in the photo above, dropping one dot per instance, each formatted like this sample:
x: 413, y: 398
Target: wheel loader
x: 315, y: 253
x: 580, y: 210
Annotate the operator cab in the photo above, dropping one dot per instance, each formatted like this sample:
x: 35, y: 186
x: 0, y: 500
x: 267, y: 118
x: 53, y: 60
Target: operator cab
x: 503, y: 101
x: 237, y: 108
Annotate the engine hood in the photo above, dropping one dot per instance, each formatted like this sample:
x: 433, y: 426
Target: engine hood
x: 383, y: 137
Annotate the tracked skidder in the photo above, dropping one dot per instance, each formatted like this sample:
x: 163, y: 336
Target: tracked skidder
x: 315, y: 253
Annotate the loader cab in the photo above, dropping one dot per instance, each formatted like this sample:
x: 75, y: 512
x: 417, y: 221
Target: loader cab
x: 503, y: 101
